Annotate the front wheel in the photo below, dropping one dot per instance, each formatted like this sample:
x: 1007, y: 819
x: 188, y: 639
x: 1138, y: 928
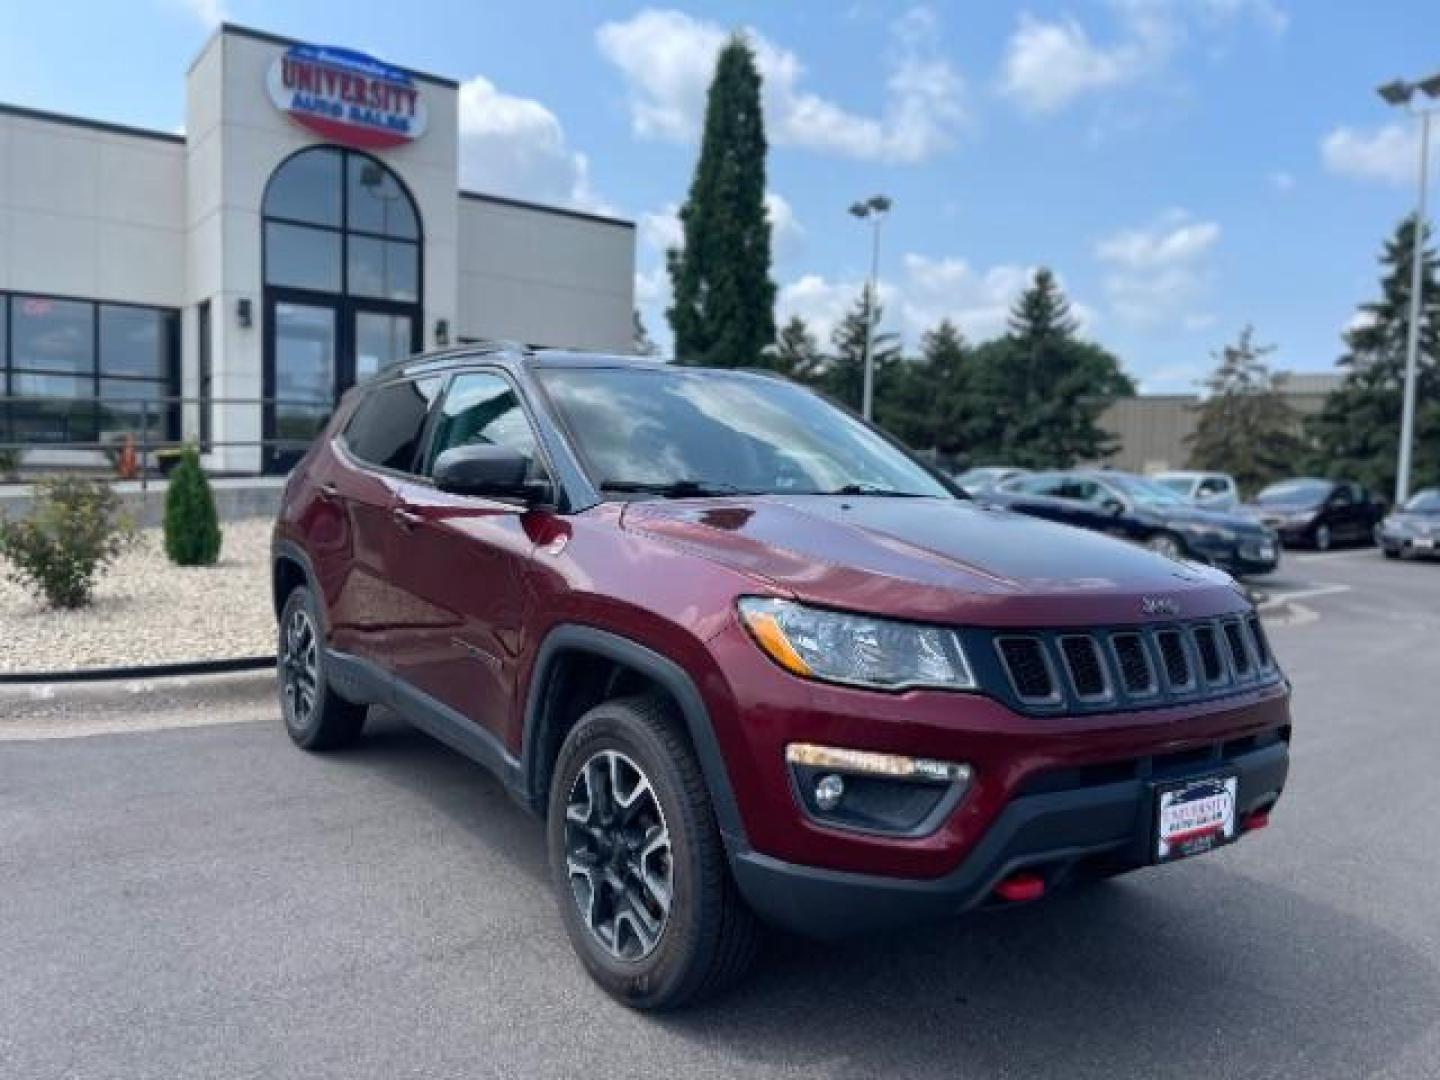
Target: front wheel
x: 1323, y: 539
x: 637, y: 860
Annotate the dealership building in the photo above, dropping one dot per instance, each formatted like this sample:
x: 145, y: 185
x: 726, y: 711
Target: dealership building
x: 226, y: 284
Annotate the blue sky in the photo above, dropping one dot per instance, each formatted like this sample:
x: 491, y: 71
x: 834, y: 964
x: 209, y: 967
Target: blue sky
x: 1185, y: 166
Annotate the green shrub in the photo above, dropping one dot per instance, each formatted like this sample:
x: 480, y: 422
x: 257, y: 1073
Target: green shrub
x: 74, y: 530
x: 192, y: 528
x: 10, y: 458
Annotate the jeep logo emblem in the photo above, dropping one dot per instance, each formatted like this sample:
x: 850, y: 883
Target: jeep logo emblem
x: 1159, y: 605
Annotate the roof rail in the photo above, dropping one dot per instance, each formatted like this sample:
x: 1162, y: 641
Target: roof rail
x: 464, y: 349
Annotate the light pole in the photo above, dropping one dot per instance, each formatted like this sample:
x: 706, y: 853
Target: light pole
x: 874, y: 208
x: 1402, y: 93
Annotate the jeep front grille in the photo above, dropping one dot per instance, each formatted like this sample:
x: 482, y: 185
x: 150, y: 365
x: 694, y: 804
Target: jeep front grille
x: 1085, y: 671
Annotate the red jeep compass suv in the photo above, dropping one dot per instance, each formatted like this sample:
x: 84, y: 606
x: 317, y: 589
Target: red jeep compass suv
x: 751, y: 661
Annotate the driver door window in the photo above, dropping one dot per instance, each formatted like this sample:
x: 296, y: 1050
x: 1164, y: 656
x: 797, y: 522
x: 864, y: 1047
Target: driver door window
x: 482, y: 409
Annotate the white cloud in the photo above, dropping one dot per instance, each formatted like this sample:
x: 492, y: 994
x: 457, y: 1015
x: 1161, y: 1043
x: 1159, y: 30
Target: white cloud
x: 1389, y: 154
x: 1160, y: 273
x: 516, y: 146
x: 668, y: 58
x: 206, y: 12
x: 929, y: 289
x: 1049, y: 63
x: 1282, y: 181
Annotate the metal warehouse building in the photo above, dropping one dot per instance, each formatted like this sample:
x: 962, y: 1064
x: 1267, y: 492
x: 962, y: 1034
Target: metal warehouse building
x: 305, y: 229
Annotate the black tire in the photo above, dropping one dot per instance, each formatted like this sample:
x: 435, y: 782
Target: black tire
x: 1391, y: 553
x: 707, y: 937
x: 316, y: 716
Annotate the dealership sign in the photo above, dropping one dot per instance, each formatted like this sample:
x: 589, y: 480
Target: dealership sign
x: 347, y: 96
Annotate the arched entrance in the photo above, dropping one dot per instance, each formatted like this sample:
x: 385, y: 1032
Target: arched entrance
x: 342, y: 250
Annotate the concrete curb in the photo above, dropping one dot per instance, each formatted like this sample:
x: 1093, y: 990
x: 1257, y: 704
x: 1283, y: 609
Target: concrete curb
x: 141, y: 671
x: 168, y: 692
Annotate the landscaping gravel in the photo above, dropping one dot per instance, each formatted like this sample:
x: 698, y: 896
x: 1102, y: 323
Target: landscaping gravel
x: 148, y: 611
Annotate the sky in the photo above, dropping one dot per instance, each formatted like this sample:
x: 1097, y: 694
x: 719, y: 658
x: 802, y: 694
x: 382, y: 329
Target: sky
x: 1185, y: 167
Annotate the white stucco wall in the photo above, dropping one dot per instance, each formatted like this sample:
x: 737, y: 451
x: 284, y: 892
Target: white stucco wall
x: 89, y: 213
x: 545, y: 277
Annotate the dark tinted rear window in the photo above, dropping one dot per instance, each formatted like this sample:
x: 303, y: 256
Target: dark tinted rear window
x: 387, y: 425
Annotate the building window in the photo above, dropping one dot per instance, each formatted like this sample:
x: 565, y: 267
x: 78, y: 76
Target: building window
x: 337, y: 221
x: 83, y: 372
x: 203, y: 353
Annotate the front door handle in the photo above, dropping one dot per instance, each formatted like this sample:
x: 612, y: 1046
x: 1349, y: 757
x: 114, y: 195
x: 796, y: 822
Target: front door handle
x: 406, y: 519
x: 328, y: 490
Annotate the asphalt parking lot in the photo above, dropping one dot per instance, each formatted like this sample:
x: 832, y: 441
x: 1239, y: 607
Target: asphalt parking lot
x: 207, y: 901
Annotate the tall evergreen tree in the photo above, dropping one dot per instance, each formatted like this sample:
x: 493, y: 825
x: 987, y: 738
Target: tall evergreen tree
x: 724, y: 299
x: 796, y: 353
x: 1038, y: 392
x: 944, y: 377
x: 1246, y: 426
x: 1357, y: 434
x: 844, y: 377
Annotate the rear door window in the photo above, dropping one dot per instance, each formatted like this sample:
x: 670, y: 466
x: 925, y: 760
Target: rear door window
x: 388, y: 425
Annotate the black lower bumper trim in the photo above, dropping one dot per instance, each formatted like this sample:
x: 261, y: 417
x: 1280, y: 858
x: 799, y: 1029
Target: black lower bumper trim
x: 1050, y: 833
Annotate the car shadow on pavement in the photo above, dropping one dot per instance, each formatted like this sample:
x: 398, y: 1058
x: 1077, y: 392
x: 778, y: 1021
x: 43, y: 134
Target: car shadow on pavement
x: 1184, y: 970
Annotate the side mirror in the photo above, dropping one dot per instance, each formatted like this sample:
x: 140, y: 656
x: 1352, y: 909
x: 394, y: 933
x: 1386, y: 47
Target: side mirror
x: 488, y: 472
x: 1114, y: 507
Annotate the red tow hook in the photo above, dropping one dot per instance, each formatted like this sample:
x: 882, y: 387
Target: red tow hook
x: 1258, y: 820
x: 1018, y: 888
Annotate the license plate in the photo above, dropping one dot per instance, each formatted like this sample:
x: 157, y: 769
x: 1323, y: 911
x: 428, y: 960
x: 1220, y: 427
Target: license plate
x: 1267, y: 550
x: 1195, y: 816
x: 1424, y: 543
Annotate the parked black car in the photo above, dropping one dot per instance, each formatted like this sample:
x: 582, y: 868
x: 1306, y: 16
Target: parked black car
x: 1141, y: 510
x: 1414, y: 529
x: 1309, y: 512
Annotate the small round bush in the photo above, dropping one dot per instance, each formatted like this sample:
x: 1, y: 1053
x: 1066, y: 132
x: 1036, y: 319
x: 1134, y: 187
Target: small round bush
x: 74, y: 530
x: 192, y: 527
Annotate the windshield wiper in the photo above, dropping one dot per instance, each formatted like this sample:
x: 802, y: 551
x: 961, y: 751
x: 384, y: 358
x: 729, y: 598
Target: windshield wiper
x: 872, y: 489
x: 675, y: 489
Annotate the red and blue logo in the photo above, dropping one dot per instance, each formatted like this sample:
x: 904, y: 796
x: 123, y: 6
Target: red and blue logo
x: 347, y: 96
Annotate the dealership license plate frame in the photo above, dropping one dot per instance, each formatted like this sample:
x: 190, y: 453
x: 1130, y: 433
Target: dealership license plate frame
x: 1166, y: 849
x: 1424, y: 543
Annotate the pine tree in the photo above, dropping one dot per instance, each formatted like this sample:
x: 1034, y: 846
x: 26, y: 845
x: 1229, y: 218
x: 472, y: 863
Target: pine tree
x: 844, y: 377
x: 192, y: 527
x: 724, y: 299
x: 944, y: 379
x: 1038, y: 392
x: 1246, y: 427
x: 796, y: 354
x: 1357, y: 434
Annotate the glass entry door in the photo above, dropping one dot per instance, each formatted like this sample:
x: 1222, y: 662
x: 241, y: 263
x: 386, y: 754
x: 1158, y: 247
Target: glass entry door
x: 303, y: 349
x: 381, y: 338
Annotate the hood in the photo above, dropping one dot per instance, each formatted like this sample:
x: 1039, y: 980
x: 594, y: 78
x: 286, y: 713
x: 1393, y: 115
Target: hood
x: 1199, y: 515
x: 934, y: 559
x: 1282, y: 508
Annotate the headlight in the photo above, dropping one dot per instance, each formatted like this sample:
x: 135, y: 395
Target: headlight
x: 1208, y: 532
x: 856, y: 649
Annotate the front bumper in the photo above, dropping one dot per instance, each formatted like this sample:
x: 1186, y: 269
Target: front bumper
x: 1246, y: 556
x: 1059, y: 834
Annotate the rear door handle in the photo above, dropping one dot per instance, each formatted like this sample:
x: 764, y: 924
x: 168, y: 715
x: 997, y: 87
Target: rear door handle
x: 407, y: 519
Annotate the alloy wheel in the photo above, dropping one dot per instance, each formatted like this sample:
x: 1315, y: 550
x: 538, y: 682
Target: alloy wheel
x: 1164, y: 545
x: 300, y: 668
x: 1322, y: 538
x: 618, y: 855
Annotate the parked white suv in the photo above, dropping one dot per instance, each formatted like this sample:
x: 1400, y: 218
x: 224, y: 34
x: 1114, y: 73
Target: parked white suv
x: 1212, y: 490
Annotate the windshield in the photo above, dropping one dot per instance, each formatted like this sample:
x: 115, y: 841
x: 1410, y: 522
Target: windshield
x: 703, y: 432
x: 1146, y: 492
x: 1425, y: 501
x: 1180, y: 485
x: 1299, y: 492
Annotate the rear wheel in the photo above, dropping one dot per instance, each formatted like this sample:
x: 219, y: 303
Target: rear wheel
x: 316, y: 717
x: 637, y: 860
x: 1391, y: 553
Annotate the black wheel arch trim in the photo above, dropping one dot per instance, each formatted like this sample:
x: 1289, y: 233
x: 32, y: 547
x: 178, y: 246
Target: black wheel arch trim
x: 663, y: 671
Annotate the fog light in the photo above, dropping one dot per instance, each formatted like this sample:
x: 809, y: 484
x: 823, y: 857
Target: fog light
x: 829, y: 791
